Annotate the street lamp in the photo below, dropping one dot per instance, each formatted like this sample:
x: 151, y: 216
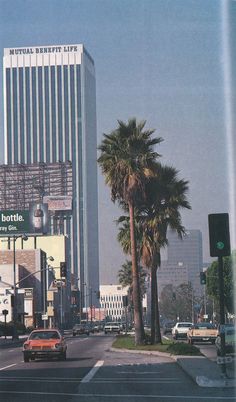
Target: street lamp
x: 14, y: 238
x: 45, y: 288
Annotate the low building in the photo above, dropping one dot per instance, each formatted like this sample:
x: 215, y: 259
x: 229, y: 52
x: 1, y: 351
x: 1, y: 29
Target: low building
x: 111, y: 300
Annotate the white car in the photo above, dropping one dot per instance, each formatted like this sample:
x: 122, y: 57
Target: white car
x: 180, y: 329
x: 112, y: 327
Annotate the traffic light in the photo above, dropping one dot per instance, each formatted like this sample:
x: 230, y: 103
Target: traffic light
x: 202, y: 278
x: 219, y: 235
x: 63, y: 269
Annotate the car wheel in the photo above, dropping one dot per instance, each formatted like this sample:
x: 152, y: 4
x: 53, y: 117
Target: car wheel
x: 213, y: 342
x: 74, y: 334
x: 26, y: 359
x: 88, y: 333
x: 105, y: 332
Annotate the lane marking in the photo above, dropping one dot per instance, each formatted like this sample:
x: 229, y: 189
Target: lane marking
x: 120, y: 396
x: 93, y: 371
x: 11, y: 365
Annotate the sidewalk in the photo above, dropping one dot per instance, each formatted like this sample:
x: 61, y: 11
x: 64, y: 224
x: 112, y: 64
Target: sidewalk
x: 205, y: 372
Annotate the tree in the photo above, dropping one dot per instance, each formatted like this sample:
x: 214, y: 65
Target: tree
x: 125, y: 278
x: 166, y: 195
x: 213, y: 282
x: 177, y: 303
x: 128, y: 160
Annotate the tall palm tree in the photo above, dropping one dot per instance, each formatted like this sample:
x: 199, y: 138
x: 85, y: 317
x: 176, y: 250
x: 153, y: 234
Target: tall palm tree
x: 165, y: 196
x: 127, y: 161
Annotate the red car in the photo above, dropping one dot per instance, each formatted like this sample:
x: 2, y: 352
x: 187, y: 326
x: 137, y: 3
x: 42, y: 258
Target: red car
x: 44, y: 343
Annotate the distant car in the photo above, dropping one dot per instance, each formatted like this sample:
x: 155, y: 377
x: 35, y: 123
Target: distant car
x: 202, y: 332
x: 168, y: 326
x: 44, y: 343
x: 112, y: 327
x: 80, y: 329
x: 230, y: 340
x: 180, y: 329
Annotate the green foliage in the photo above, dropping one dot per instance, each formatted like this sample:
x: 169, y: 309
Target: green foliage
x: 175, y: 348
x: 213, y: 285
x: 181, y: 348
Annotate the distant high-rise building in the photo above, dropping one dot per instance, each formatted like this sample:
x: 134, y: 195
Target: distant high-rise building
x: 184, y: 260
x: 50, y: 116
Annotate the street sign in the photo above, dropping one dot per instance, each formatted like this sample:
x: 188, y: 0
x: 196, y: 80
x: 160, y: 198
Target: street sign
x: 44, y: 317
x: 224, y: 359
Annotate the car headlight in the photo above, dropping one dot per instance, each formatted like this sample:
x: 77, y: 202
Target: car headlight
x: 26, y: 346
x: 58, y: 345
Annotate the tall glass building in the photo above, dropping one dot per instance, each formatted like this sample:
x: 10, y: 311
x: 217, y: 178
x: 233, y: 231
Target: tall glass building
x: 50, y: 116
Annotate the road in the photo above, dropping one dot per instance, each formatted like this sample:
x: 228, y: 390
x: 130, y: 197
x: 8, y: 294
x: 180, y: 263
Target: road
x: 93, y: 373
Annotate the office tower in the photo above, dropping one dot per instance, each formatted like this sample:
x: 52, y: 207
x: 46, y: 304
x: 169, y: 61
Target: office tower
x: 187, y: 254
x: 50, y: 116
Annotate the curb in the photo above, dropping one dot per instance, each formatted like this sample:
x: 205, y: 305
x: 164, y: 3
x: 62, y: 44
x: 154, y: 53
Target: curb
x: 201, y: 381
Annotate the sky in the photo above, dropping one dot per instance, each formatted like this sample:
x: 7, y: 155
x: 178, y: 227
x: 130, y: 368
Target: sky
x: 168, y: 62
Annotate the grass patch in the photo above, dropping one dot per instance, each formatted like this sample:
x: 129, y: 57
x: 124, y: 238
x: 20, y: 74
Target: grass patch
x: 175, y: 348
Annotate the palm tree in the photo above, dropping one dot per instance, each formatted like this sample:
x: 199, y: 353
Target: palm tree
x: 127, y: 161
x: 165, y: 196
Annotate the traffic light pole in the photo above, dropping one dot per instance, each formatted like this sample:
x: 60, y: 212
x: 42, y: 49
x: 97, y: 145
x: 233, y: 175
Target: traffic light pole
x: 222, y: 312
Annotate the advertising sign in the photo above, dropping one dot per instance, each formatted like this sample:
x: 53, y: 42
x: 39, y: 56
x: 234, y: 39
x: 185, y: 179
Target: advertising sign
x: 12, y: 222
x: 58, y: 203
x: 38, y: 215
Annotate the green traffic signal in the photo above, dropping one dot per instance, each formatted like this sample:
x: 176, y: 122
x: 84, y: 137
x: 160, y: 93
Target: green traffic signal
x: 220, y: 245
x: 202, y: 278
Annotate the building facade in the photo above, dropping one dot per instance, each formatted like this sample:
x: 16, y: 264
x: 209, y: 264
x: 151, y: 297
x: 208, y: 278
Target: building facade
x: 50, y: 117
x: 111, y: 299
x: 184, y: 261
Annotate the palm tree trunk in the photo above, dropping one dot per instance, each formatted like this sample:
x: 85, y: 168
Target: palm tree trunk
x: 138, y: 318
x: 155, y: 316
x: 153, y: 306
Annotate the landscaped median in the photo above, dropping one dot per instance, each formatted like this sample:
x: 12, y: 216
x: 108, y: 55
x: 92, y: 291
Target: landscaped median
x: 174, y: 348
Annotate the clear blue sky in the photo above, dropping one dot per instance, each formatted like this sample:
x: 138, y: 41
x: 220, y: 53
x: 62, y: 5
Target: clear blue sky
x: 158, y: 60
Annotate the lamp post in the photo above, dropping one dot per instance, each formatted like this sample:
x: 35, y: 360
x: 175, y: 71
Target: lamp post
x: 14, y: 238
x: 45, y: 288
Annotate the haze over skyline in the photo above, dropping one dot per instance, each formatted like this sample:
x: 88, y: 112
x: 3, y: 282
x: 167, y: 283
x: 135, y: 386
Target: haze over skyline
x: 157, y: 60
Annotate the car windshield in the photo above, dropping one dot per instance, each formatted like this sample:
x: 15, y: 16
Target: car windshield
x: 44, y: 335
x: 204, y: 326
x: 185, y: 325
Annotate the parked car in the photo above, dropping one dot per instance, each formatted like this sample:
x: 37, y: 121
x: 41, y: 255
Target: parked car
x: 168, y: 326
x: 230, y: 340
x: 44, y: 343
x: 180, y: 329
x: 80, y: 329
x: 112, y: 327
x: 202, y: 332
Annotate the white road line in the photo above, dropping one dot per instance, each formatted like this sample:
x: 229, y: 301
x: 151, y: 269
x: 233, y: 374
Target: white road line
x: 11, y: 365
x: 92, y: 372
x: 155, y: 397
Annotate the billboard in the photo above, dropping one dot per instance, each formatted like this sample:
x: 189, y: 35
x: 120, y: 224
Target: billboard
x: 58, y: 203
x: 38, y: 217
x: 13, y: 222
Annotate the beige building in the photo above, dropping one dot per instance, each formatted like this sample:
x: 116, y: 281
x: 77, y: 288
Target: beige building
x: 111, y: 300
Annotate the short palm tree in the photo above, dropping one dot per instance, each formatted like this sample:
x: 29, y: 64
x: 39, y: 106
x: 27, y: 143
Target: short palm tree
x: 127, y: 161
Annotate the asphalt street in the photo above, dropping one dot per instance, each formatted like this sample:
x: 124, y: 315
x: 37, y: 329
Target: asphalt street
x: 93, y: 372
